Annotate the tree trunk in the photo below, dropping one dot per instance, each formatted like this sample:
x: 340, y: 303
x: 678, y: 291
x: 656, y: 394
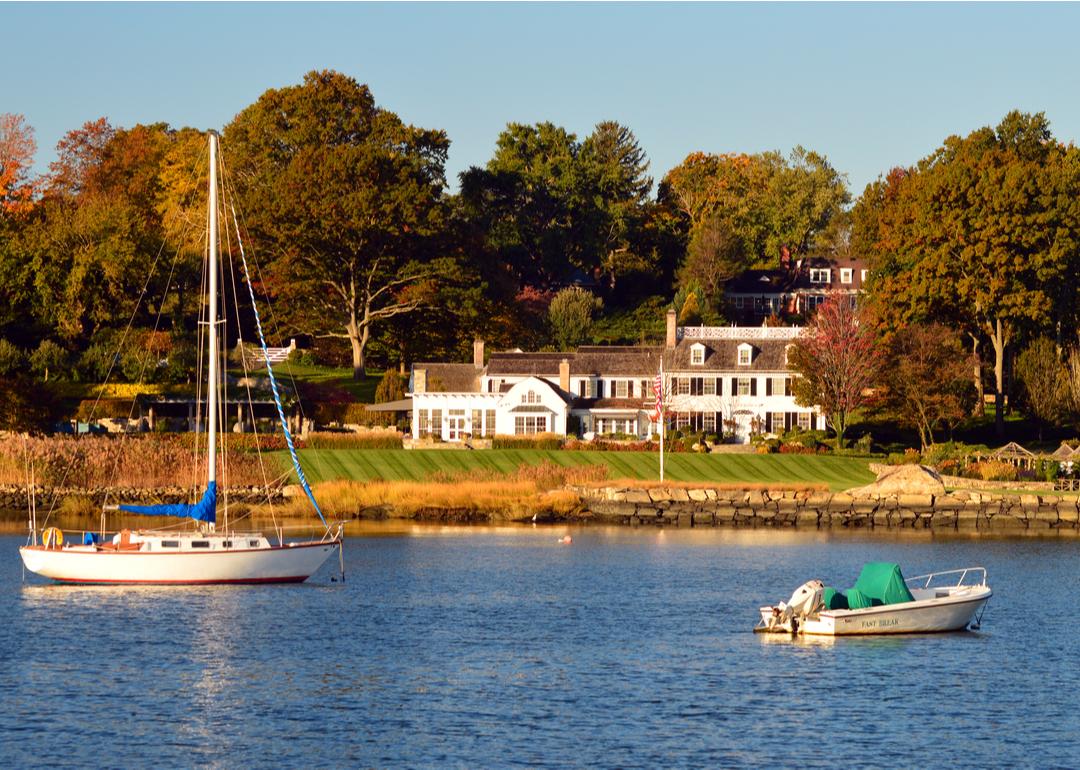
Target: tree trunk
x: 980, y: 401
x: 997, y: 337
x: 358, y: 342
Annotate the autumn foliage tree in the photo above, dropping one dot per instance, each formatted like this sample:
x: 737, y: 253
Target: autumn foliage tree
x: 343, y: 197
x: 17, y: 148
x: 926, y: 380
x: 837, y: 359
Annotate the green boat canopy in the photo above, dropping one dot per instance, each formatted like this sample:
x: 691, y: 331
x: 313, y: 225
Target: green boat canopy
x: 880, y: 582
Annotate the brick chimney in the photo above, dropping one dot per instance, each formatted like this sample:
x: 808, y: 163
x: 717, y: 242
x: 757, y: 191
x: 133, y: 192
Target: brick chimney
x: 671, y: 321
x: 478, y: 354
x: 564, y: 375
x: 419, y: 381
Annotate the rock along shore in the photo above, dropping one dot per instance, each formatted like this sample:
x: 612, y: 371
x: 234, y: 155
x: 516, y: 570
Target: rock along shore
x: 711, y: 507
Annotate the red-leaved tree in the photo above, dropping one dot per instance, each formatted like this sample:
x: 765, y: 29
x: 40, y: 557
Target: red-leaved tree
x: 17, y: 148
x: 837, y: 358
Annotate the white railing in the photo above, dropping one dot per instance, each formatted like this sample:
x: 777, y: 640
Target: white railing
x: 927, y: 579
x: 739, y: 332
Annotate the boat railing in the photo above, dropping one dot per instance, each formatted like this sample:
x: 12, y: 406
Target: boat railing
x: 927, y: 581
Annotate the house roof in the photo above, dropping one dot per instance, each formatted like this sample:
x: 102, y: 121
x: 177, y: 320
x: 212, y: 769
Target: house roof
x: 451, y: 378
x: 782, y: 280
x: 723, y: 355
x: 625, y: 360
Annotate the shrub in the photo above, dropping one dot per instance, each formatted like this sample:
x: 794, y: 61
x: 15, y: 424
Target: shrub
x: 537, y: 441
x: 994, y: 470
x: 1049, y: 470
x: 865, y: 444
x: 367, y: 440
x: 908, y: 457
x: 96, y: 409
x: 12, y: 358
x: 50, y: 360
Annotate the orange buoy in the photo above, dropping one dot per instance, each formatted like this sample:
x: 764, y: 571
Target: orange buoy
x: 565, y: 540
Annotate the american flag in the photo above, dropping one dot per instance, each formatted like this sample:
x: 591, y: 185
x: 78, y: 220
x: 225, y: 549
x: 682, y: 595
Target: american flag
x: 658, y: 391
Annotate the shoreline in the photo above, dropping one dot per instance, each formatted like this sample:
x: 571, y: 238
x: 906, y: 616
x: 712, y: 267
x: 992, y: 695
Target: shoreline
x: 682, y: 506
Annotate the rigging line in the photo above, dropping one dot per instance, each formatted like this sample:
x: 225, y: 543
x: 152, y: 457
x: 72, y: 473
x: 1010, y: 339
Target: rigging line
x: 273, y: 383
x: 112, y: 362
x: 319, y: 459
x: 247, y: 376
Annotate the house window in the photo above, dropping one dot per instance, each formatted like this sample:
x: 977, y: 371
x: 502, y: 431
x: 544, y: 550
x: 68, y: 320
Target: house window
x: 738, y: 303
x: 621, y: 388
x: 744, y: 355
x: 697, y: 355
x: 530, y: 398
x: 814, y: 300
x: 527, y: 426
x: 862, y: 276
x: 425, y: 421
x: 436, y: 421
x: 708, y: 422
x: 646, y: 389
x: 709, y: 388
x: 477, y: 426
x: 682, y: 386
x: 587, y: 389
x: 778, y: 386
x: 776, y: 422
x: 845, y: 275
x: 803, y: 420
x: 489, y: 422
x: 818, y: 275
x: 742, y: 386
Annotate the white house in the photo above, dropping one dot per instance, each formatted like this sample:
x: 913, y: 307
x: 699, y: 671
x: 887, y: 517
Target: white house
x: 731, y: 380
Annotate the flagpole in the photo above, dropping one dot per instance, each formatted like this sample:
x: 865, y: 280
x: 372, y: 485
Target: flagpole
x: 661, y: 413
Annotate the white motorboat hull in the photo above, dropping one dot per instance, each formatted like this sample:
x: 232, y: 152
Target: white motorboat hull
x: 952, y: 613
x: 289, y: 563
x: 932, y: 612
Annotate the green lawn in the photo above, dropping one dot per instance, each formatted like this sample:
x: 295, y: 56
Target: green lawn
x: 399, y: 464
x: 363, y: 390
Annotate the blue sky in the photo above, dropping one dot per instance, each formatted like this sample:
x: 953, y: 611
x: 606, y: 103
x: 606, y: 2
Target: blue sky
x: 869, y: 85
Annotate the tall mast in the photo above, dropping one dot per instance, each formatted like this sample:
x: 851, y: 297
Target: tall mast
x: 212, y: 372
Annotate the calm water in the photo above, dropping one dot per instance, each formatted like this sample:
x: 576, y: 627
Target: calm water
x: 484, y: 647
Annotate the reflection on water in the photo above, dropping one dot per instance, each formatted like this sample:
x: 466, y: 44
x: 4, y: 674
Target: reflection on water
x: 454, y: 646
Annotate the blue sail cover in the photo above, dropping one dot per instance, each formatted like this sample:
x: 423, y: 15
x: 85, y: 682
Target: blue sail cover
x: 204, y: 510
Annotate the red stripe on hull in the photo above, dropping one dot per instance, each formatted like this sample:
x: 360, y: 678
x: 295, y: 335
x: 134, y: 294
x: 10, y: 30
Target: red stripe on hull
x: 242, y: 581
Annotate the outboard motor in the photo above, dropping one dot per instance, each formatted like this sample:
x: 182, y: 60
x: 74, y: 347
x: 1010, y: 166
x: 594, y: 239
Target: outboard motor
x: 804, y: 602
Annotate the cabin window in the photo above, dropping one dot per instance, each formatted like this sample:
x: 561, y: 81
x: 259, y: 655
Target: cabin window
x: 253, y: 543
x: 226, y: 543
x: 845, y: 275
x: 200, y: 544
x: 170, y: 543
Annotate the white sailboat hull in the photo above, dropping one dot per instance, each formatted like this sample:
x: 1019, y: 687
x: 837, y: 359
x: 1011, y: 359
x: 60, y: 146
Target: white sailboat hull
x: 290, y: 563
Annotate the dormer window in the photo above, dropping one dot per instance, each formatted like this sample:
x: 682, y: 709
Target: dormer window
x: 845, y: 275
x: 746, y: 354
x: 697, y: 354
x: 820, y: 275
x: 530, y: 398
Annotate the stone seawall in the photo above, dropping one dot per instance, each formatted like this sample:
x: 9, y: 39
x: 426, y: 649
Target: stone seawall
x: 14, y: 498
x: 711, y: 507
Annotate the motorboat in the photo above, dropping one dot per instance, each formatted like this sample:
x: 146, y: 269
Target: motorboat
x: 883, y: 602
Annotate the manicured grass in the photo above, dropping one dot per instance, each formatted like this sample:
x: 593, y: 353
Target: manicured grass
x: 415, y: 465
x: 363, y: 391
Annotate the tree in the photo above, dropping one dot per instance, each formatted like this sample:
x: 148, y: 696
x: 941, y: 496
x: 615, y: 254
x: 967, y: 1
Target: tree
x: 17, y: 148
x: 343, y: 196
x: 715, y: 256
x: 50, y: 356
x: 926, y: 380
x: 983, y: 234
x: 571, y: 315
x: 837, y: 358
x: 1045, y: 381
x: 79, y: 153
x: 391, y: 388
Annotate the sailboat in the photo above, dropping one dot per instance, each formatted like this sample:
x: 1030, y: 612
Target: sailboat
x: 203, y: 555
